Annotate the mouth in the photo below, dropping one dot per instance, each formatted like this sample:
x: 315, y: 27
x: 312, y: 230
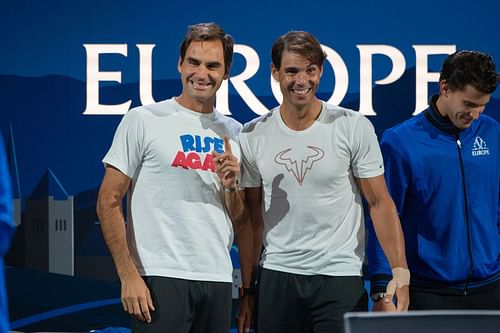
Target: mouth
x: 200, y: 85
x: 300, y: 91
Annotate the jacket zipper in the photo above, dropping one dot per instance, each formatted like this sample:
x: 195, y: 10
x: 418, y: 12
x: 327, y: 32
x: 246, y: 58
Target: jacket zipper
x: 466, y: 206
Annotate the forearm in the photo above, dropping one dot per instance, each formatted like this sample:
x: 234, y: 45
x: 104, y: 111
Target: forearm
x: 389, y: 233
x: 250, y: 237
x: 236, y: 209
x: 245, y: 242
x: 113, y: 229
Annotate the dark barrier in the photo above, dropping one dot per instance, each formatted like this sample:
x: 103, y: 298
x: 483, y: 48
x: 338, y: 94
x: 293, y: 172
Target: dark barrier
x: 456, y: 321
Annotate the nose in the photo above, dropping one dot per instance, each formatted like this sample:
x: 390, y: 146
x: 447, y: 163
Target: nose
x: 474, y: 113
x: 301, y: 78
x: 201, y: 71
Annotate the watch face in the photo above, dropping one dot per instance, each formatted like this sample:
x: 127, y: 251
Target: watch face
x: 377, y: 296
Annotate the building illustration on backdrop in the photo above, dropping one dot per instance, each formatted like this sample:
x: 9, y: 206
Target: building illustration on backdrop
x: 60, y: 233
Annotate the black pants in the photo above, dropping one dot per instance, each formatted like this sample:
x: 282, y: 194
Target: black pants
x: 185, y: 306
x: 486, y: 299
x: 292, y: 303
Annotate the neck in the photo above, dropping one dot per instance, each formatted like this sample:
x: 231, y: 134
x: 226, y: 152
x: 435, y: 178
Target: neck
x: 300, y: 118
x: 440, y: 107
x: 201, y: 106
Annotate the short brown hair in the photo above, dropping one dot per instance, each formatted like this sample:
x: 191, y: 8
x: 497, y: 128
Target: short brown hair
x: 472, y: 68
x: 208, y: 32
x: 299, y: 42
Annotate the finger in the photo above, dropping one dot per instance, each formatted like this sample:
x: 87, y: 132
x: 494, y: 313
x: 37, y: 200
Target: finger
x: 145, y: 311
x: 150, y: 303
x: 388, y: 298
x: 216, y: 157
x: 137, y: 311
x: 124, y: 304
x: 227, y: 145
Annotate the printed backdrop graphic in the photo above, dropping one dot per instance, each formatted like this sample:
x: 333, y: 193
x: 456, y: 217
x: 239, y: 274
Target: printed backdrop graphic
x: 69, y: 69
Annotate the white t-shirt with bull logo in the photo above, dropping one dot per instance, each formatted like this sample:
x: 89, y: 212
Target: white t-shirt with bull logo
x: 313, y: 214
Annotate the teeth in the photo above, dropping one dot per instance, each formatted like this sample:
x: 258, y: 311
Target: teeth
x: 301, y: 91
x: 199, y: 84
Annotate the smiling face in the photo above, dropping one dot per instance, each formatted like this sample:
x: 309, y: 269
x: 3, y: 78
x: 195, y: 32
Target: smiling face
x: 299, y: 80
x: 461, y: 106
x: 202, y: 72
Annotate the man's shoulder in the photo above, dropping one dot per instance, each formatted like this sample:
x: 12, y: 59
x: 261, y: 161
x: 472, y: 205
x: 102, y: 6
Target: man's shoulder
x: 405, y: 127
x: 489, y: 122
x: 260, y: 123
x: 161, y: 108
x: 332, y: 110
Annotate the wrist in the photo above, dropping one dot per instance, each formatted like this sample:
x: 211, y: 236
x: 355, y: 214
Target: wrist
x: 376, y: 297
x: 231, y: 188
x: 243, y: 292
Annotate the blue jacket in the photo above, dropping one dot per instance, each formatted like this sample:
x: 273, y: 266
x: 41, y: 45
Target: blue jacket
x: 446, y: 187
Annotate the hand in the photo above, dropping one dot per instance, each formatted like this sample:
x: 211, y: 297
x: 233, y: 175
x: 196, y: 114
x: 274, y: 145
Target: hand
x: 383, y: 306
x: 244, y: 316
x: 227, y: 166
x: 401, y: 299
x: 136, y: 298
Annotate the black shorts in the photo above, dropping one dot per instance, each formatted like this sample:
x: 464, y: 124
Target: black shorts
x: 295, y: 303
x: 186, y: 306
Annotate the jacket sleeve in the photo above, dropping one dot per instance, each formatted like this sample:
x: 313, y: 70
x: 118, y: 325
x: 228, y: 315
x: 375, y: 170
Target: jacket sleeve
x: 396, y: 176
x: 6, y: 225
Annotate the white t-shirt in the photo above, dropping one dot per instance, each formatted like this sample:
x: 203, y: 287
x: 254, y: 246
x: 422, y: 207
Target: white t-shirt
x: 177, y: 224
x: 313, y: 215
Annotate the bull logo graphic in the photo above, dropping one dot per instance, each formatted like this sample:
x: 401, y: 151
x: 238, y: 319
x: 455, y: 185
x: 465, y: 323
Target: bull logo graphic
x: 299, y: 168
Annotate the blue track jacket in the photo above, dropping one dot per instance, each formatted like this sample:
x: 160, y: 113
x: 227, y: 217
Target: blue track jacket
x: 445, y: 185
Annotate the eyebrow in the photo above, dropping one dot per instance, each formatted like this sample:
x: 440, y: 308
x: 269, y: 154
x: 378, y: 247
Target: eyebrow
x: 469, y: 103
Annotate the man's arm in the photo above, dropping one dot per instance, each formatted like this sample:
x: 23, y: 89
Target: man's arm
x: 249, y: 241
x: 388, y: 229
x: 228, y: 169
x: 135, y: 295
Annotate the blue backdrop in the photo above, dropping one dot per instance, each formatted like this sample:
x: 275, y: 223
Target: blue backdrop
x: 57, y: 129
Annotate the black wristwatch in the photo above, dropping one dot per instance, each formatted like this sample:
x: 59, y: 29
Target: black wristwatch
x: 246, y: 292
x: 377, y: 296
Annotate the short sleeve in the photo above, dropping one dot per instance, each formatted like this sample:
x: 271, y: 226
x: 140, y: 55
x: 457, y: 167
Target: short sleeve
x: 127, y: 149
x: 250, y: 175
x: 366, y: 158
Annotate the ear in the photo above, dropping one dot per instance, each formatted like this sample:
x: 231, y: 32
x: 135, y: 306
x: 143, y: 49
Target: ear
x: 226, y: 75
x: 443, y: 88
x: 179, y: 65
x: 275, y: 72
x: 321, y: 71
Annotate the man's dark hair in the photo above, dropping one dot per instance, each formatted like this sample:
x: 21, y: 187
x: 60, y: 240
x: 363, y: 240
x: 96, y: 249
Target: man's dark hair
x: 472, y: 68
x: 298, y: 42
x: 209, y: 32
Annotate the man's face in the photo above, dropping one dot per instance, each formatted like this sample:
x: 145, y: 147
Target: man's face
x: 202, y: 71
x: 462, y: 106
x: 298, y: 79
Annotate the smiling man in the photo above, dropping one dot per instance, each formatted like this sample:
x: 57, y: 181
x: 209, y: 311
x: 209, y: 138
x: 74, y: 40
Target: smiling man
x: 443, y: 172
x: 306, y: 165
x: 174, y: 160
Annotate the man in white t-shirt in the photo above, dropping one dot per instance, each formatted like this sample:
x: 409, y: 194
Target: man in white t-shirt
x: 177, y: 160
x: 305, y: 166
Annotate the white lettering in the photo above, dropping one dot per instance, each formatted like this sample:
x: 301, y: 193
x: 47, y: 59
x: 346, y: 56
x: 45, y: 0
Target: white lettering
x: 145, y: 73
x: 238, y: 81
x: 365, y: 73
x: 423, y: 77
x: 340, y: 71
x: 94, y: 76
